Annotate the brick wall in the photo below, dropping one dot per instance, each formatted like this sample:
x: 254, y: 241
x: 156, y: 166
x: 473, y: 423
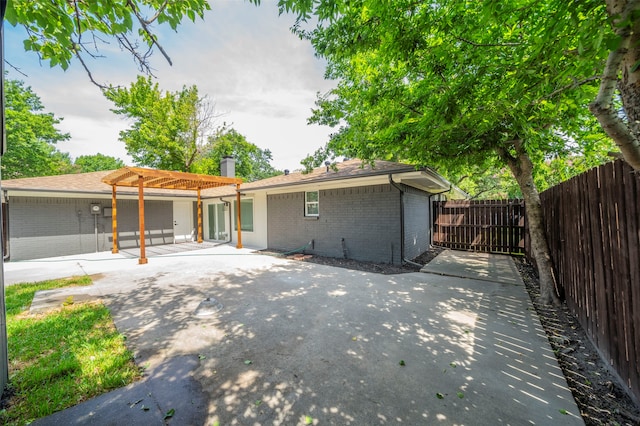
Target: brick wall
x: 362, y: 223
x: 158, y: 222
x: 417, y: 223
x: 44, y: 227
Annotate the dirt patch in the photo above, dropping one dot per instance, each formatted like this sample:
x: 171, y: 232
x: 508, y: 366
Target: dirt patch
x: 378, y: 268
x: 601, y: 398
x: 47, y: 301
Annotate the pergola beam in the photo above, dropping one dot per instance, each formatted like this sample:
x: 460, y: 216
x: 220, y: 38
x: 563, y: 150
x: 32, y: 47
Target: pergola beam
x: 163, y: 179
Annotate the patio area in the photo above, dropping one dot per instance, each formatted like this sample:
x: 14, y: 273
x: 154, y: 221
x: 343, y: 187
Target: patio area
x: 295, y: 341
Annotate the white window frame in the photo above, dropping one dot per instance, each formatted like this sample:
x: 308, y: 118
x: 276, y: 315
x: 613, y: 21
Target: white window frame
x: 308, y: 203
x: 243, y: 210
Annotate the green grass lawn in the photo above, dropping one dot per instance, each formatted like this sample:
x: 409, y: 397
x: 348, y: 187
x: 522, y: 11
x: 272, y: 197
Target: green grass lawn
x: 61, y: 358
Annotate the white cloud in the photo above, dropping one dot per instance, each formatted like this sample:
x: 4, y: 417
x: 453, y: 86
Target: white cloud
x: 242, y: 56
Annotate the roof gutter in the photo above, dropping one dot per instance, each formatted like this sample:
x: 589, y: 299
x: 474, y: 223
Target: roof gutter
x: 395, y: 185
x: 6, y: 253
x: 332, y: 179
x: 228, y: 204
x: 151, y: 193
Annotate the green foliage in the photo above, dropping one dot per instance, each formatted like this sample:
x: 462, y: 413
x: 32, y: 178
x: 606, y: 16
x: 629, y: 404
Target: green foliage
x: 97, y: 162
x: 456, y: 84
x: 59, y: 30
x: 252, y: 163
x: 459, y: 84
x: 487, y: 181
x: 169, y: 129
x: 31, y: 136
x: 62, y: 357
x: 174, y: 131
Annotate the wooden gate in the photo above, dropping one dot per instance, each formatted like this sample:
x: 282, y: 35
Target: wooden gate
x: 493, y: 226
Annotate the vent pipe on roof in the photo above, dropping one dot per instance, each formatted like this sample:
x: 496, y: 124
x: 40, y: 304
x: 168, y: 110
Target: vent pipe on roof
x: 286, y: 172
x: 327, y: 163
x: 228, y: 166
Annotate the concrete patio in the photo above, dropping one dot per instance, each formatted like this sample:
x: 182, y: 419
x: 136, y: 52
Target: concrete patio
x: 297, y: 342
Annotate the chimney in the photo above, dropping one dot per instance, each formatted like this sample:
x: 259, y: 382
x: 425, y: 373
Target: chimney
x: 228, y: 166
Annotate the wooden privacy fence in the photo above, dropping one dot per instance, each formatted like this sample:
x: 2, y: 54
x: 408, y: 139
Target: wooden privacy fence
x: 495, y: 226
x: 593, y: 228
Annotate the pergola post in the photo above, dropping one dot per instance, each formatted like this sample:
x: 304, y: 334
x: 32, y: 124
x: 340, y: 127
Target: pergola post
x: 114, y: 219
x: 200, y: 231
x: 141, y: 178
x: 238, y: 217
x: 143, y: 257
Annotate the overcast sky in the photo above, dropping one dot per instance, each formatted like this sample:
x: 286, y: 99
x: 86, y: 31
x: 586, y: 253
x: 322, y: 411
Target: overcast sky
x: 244, y: 57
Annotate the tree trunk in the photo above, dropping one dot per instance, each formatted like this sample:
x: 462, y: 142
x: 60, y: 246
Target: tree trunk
x: 522, y: 169
x: 622, y: 61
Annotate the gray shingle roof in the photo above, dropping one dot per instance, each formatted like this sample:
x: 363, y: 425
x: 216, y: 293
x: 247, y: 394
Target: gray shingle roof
x: 91, y: 183
x: 348, y: 169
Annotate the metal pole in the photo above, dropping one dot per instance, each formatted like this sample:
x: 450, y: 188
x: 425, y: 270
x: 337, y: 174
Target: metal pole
x: 114, y: 219
x: 238, y: 217
x: 95, y: 228
x: 143, y: 256
x: 200, y: 227
x: 4, y: 356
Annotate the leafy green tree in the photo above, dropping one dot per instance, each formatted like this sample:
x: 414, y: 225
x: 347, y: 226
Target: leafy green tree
x: 251, y: 162
x: 31, y: 136
x: 59, y: 30
x: 169, y: 129
x: 97, y: 162
x: 457, y: 83
x: 621, y: 78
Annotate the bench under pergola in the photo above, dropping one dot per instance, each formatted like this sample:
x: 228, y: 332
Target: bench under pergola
x: 163, y: 179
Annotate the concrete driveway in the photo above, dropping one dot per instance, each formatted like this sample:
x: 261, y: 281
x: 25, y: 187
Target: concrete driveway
x: 298, y: 343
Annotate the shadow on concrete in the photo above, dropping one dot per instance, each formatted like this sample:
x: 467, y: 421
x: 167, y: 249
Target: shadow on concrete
x: 297, y: 340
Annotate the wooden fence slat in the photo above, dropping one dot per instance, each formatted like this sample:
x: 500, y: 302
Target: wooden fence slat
x: 593, y: 227
x: 631, y: 187
x: 621, y: 259
x: 487, y: 226
x: 585, y: 298
x: 610, y: 282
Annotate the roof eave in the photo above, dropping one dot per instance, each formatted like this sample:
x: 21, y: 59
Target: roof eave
x: 88, y: 193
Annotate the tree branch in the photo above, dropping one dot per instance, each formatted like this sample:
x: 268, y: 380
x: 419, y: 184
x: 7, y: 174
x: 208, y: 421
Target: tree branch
x: 141, y: 59
x: 86, y: 68
x: 505, y: 155
x: 488, y: 44
x: 145, y: 27
x: 158, y: 12
x: 15, y: 68
x: 478, y: 194
x: 602, y: 107
x: 572, y: 86
x: 77, y: 16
